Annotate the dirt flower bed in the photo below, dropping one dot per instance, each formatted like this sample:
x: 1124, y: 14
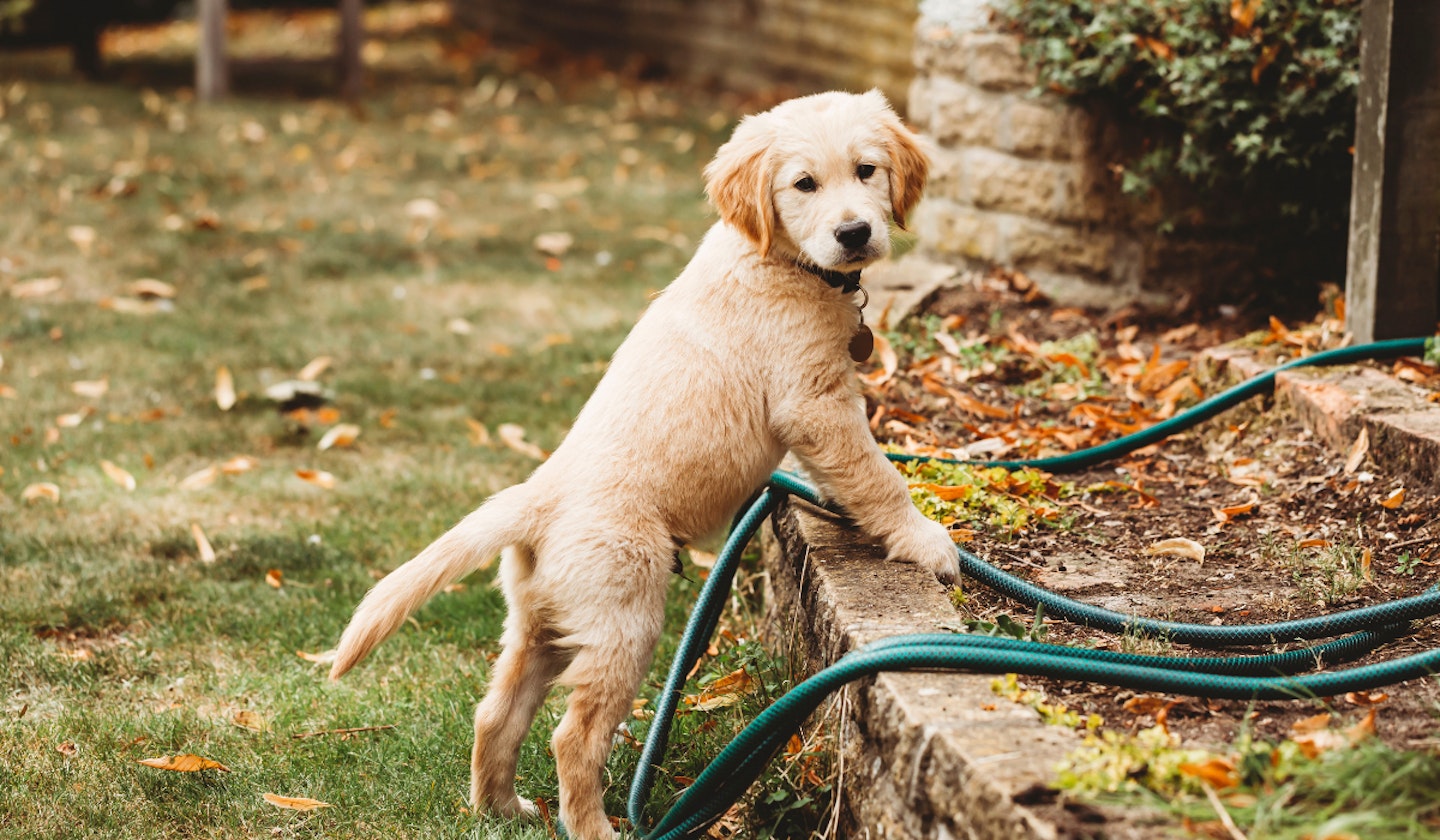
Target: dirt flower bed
x: 1244, y: 519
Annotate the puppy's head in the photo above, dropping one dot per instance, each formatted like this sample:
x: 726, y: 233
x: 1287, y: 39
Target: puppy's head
x: 818, y: 179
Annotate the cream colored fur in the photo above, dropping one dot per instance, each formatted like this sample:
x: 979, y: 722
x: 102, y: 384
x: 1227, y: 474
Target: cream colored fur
x: 743, y: 358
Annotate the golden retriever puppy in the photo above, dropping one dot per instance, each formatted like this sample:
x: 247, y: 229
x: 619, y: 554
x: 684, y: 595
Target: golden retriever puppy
x: 741, y: 359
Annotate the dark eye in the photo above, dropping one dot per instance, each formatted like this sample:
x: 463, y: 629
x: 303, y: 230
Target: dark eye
x: 864, y: 170
x: 806, y: 184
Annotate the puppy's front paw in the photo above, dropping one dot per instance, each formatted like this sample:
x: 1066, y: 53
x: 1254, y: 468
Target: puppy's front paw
x: 928, y: 544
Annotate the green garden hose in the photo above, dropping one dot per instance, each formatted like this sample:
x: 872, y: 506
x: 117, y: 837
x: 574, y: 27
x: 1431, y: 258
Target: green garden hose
x: 1269, y: 676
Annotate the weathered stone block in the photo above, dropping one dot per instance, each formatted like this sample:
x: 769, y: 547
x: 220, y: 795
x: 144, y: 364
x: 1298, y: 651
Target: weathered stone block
x: 952, y: 230
x: 1042, y: 128
x: 995, y: 61
x: 962, y: 115
x: 997, y: 181
x: 1086, y: 193
x: 1067, y: 250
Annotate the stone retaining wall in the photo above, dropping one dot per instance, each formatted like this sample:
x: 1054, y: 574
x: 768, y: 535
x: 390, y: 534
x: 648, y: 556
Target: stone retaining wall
x: 1026, y: 180
x: 752, y: 45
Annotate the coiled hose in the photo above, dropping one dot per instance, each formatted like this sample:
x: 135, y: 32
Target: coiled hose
x: 1270, y: 676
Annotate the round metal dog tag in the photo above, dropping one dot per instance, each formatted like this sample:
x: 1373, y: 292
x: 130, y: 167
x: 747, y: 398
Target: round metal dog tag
x: 862, y: 343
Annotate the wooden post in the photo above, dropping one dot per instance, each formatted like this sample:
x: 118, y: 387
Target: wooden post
x: 352, y: 38
x: 1393, y: 267
x: 212, y: 75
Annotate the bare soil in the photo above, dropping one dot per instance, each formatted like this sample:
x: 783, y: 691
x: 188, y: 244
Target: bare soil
x: 1280, y: 517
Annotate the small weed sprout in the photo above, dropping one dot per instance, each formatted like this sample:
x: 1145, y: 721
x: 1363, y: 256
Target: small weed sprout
x: 1407, y: 564
x: 1136, y: 641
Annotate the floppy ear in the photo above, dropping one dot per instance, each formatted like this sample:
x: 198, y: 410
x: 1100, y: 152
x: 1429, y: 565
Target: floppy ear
x: 737, y: 182
x: 909, y: 165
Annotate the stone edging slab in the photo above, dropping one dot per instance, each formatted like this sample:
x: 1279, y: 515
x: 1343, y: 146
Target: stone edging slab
x: 923, y: 755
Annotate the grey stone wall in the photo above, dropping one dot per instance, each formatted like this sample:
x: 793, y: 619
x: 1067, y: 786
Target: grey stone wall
x: 1025, y: 180
x: 807, y: 45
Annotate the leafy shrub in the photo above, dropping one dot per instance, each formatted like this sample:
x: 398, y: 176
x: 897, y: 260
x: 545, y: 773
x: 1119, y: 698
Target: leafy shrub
x: 1250, y: 101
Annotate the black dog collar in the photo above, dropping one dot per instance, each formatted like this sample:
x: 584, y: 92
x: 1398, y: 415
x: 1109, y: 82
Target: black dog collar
x: 847, y: 282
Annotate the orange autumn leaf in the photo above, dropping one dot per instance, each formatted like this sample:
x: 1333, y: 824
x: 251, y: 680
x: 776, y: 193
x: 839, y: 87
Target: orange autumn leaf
x: 41, y: 490
x: 294, y: 803
x: 1315, y: 542
x: 319, y: 478
x: 970, y: 405
x: 341, y: 435
x: 889, y: 363
x: 1218, y: 772
x: 944, y: 493
x: 118, y: 475
x: 237, y: 465
x: 184, y: 763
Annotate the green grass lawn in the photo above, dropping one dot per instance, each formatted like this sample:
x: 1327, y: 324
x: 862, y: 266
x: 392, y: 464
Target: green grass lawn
x: 397, y: 239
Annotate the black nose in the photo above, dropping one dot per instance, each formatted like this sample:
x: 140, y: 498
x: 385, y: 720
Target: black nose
x: 853, y: 234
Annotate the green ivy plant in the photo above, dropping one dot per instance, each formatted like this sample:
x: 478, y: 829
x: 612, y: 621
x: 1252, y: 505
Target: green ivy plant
x: 1250, y: 101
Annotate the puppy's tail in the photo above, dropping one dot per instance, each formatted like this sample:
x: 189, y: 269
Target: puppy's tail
x: 470, y: 545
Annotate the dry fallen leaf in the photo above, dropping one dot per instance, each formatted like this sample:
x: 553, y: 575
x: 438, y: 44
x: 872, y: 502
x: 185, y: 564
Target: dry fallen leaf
x: 237, y: 465
x: 319, y: 478
x: 342, y: 435
x: 513, y: 436
x: 224, y: 388
x: 41, y: 490
x: 118, y: 475
x: 294, y: 803
x: 83, y: 236
x: 184, y: 763
x: 479, y: 435
x: 151, y: 288
x: 1357, y: 451
x: 202, y: 543
x: 725, y: 691
x: 92, y: 389
x: 35, y: 288
x: 555, y: 243
x: 702, y: 559
x: 1315, y: 737
x: 1219, y: 772
x: 314, y: 368
x: 1178, y: 547
x: 200, y: 478
x: 250, y: 720
x: 889, y: 363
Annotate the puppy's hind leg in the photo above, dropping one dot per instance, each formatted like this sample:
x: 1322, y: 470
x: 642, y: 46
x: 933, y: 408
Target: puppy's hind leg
x: 583, y: 739
x: 519, y: 681
x: 614, y: 640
